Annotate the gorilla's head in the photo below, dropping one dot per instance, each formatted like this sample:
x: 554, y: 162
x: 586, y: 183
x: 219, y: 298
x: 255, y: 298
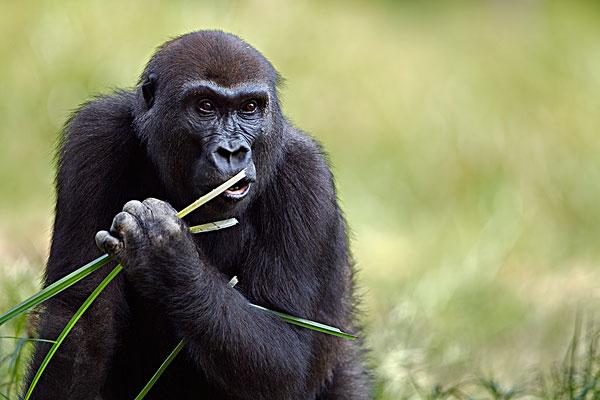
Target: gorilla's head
x: 207, y: 108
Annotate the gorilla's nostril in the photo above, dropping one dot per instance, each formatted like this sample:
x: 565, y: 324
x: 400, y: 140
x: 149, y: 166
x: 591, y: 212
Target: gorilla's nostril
x: 240, y: 154
x: 231, y: 157
x: 224, y: 153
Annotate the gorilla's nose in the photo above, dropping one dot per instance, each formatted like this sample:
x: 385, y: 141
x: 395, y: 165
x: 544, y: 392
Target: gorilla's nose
x: 231, y: 157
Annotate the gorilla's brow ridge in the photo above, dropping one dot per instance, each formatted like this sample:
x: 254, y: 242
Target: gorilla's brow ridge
x: 232, y: 91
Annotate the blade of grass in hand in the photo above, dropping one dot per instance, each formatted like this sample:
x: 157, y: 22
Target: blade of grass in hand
x: 160, y: 371
x: 214, y: 226
x: 79, y: 274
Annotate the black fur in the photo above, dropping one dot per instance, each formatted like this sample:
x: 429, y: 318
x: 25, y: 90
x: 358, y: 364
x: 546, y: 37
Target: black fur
x: 290, y: 250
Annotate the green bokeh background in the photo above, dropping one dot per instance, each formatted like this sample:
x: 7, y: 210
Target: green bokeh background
x: 463, y: 136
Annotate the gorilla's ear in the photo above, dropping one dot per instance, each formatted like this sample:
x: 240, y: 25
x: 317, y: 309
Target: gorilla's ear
x: 148, y: 88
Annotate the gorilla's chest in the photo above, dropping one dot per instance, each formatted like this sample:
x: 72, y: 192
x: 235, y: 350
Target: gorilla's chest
x: 229, y: 254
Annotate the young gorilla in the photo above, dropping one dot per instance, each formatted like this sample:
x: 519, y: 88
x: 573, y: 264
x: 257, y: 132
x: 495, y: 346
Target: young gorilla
x: 206, y: 107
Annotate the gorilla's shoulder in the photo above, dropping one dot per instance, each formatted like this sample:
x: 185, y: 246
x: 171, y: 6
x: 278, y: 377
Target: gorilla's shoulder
x: 306, y: 168
x: 105, y: 120
x: 305, y: 153
x: 97, y: 139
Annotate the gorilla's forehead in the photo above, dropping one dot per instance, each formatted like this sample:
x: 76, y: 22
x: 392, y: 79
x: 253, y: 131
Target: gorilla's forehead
x: 212, y: 56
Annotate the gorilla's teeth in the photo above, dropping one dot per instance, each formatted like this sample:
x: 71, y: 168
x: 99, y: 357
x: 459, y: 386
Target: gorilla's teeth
x: 237, y: 190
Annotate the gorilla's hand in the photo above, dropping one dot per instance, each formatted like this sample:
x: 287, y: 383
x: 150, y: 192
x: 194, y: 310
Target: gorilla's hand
x: 151, y: 241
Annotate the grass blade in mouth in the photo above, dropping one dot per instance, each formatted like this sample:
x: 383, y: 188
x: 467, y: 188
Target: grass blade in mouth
x: 212, y: 194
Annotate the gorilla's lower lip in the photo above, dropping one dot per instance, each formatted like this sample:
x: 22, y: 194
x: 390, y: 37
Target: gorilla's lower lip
x: 237, y: 191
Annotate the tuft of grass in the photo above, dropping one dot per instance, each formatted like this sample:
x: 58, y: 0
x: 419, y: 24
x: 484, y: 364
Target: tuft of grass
x: 576, y: 377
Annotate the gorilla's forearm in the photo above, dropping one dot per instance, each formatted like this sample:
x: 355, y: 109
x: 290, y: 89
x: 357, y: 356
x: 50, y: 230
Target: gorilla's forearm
x: 243, y: 349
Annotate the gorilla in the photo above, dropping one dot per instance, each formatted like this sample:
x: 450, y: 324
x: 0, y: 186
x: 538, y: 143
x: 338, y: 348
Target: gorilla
x: 206, y: 106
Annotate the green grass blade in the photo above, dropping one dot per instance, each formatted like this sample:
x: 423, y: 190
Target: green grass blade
x: 28, y: 339
x: 305, y: 323
x: 160, y: 370
x: 67, y: 329
x: 13, y: 366
x: 212, y: 194
x: 214, y: 226
x: 55, y: 288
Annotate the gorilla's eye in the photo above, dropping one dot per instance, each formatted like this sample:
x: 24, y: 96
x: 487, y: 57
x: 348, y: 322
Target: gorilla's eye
x: 206, y: 106
x: 250, y: 107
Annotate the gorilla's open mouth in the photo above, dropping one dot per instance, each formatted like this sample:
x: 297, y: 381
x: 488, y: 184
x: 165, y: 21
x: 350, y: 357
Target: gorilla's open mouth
x: 238, y: 191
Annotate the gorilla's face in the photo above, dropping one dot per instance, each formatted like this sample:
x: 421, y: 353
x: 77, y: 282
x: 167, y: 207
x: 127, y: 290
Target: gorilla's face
x: 224, y: 123
x: 203, y: 123
x: 214, y: 130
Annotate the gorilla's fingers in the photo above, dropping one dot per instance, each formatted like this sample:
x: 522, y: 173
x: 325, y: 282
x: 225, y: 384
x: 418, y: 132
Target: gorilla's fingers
x: 134, y: 207
x: 167, y: 217
x: 124, y: 225
x: 159, y: 205
x: 108, y: 243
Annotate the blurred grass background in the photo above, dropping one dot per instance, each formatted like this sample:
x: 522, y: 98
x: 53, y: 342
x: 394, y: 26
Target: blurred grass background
x: 463, y: 135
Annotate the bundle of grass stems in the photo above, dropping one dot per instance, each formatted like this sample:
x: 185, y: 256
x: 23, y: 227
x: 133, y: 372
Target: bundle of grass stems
x: 79, y: 274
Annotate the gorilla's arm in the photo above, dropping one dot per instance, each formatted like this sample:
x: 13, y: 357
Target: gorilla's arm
x: 243, y: 350
x: 96, y: 146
